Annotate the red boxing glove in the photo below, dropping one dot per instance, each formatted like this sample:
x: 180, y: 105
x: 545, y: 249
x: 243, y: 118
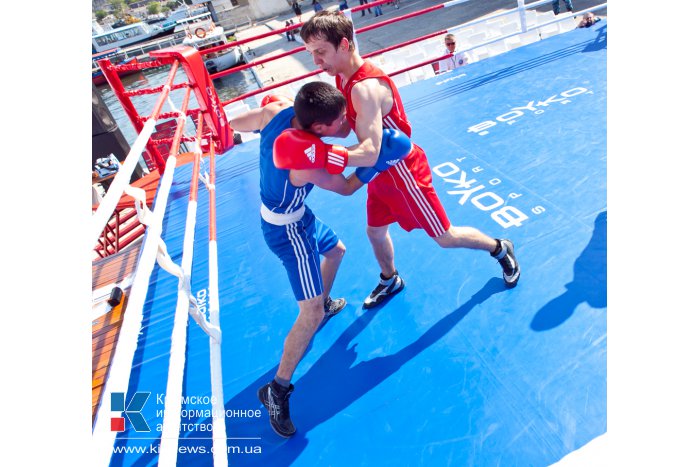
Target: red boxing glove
x: 274, y: 98
x: 297, y: 149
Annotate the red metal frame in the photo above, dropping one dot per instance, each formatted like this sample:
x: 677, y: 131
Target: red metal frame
x: 123, y: 228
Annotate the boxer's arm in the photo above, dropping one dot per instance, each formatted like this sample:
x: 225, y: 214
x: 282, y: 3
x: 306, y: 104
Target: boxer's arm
x: 247, y: 122
x: 336, y: 183
x: 367, y: 98
x: 256, y: 119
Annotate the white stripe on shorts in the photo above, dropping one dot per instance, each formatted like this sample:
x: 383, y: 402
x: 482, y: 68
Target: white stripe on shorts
x: 303, y: 267
x: 419, y: 198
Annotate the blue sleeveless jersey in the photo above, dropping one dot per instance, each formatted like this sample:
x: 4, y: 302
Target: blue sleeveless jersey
x: 276, y: 190
x: 298, y: 244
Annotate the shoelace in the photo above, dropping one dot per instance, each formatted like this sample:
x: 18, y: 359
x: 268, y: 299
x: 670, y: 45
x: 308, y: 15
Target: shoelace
x: 504, y: 259
x: 379, y: 288
x: 281, y: 409
x: 507, y: 264
x: 283, y: 405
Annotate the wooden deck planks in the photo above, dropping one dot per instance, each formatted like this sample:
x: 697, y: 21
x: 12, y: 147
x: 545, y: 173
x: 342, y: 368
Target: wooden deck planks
x: 105, y: 329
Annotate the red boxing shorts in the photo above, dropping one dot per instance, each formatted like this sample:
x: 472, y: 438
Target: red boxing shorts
x: 405, y: 194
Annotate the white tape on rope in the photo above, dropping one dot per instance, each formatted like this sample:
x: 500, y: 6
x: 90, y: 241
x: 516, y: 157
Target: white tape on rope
x: 219, y: 438
x: 167, y: 454
x: 165, y: 262
x: 217, y: 386
x: 142, y: 211
x: 186, y: 304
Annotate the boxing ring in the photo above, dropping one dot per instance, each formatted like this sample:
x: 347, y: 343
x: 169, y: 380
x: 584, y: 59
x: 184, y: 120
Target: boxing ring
x: 454, y: 370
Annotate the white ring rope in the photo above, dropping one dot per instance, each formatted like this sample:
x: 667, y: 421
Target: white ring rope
x: 120, y: 182
x: 186, y: 303
x: 173, y: 395
x: 217, y: 385
x: 154, y: 249
x: 127, y: 344
x: 120, y: 368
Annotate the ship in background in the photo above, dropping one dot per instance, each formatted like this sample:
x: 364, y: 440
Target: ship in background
x: 123, y: 34
x: 184, y: 11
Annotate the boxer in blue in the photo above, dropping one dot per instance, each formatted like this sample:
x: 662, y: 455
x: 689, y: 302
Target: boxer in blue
x: 293, y: 159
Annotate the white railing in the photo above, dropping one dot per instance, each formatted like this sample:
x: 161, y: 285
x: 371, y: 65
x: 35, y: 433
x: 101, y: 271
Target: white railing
x: 486, y: 37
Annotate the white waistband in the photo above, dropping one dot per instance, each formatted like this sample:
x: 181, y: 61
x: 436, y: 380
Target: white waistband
x: 276, y: 218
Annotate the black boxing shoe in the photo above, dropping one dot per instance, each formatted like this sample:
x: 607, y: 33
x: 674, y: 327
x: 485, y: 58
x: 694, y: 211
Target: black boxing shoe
x: 275, y: 398
x: 386, y: 288
x: 506, y: 258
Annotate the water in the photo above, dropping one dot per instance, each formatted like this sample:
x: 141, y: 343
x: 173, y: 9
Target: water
x: 227, y: 87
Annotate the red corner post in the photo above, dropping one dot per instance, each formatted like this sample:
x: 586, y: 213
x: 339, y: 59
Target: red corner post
x: 203, y: 87
x: 115, y: 82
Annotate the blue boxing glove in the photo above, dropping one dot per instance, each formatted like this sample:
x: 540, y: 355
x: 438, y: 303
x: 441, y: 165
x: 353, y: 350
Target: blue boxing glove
x: 395, y: 147
x: 366, y: 174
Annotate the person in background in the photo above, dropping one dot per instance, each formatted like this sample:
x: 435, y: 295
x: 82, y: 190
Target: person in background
x: 343, y: 5
x: 378, y: 11
x: 457, y: 60
x: 317, y: 6
x: 364, y: 2
x: 297, y: 10
x: 555, y: 6
x: 589, y: 19
x: 290, y: 33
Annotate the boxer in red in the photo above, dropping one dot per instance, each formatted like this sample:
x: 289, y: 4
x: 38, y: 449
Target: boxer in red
x: 404, y: 193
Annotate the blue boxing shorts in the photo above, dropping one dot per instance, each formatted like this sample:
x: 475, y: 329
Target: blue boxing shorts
x: 299, y: 245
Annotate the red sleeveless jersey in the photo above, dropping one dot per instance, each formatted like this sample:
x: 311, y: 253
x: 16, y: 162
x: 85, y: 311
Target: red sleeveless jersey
x: 403, y: 193
x: 396, y: 118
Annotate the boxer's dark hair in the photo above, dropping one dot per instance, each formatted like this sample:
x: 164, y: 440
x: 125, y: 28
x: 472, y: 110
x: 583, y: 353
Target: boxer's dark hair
x: 331, y: 26
x: 318, y: 102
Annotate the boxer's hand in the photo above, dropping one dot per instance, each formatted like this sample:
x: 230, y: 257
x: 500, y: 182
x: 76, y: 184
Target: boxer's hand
x: 297, y: 149
x: 395, y: 147
x: 366, y: 174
